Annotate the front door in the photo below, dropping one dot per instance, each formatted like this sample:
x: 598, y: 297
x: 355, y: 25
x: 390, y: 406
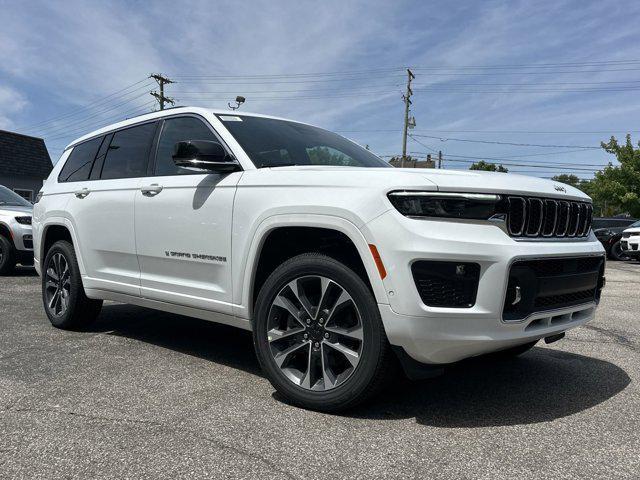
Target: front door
x: 183, y: 225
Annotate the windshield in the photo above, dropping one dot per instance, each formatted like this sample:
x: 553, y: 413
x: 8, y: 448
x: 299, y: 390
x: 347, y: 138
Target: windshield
x: 7, y: 197
x: 635, y: 224
x: 279, y: 143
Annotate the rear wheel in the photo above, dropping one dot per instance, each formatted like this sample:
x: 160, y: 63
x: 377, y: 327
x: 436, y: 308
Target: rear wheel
x: 7, y: 256
x: 319, y: 336
x: 63, y: 295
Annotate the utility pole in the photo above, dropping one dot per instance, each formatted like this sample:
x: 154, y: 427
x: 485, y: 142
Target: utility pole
x: 439, y: 158
x: 407, y: 101
x: 162, y: 81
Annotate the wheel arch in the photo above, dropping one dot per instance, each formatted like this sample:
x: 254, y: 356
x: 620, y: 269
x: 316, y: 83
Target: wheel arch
x: 5, y: 231
x: 276, y: 225
x: 55, y: 230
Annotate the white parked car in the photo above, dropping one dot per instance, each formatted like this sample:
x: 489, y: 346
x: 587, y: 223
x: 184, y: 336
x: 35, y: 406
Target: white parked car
x: 340, y: 264
x: 16, y: 243
x: 630, y: 241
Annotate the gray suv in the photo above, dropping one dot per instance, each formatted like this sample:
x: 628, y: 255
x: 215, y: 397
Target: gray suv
x: 16, y: 240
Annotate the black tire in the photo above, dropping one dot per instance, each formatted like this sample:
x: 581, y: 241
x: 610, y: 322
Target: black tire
x: 79, y: 311
x: 375, y: 360
x: 512, y: 352
x: 616, y: 252
x: 7, y: 256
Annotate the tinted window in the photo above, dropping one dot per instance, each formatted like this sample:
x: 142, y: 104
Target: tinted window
x: 128, y: 152
x: 177, y: 130
x: 78, y: 165
x: 272, y: 143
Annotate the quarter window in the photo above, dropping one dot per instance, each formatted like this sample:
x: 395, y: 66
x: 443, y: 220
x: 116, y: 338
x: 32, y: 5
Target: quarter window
x: 78, y: 165
x: 176, y: 130
x: 128, y: 152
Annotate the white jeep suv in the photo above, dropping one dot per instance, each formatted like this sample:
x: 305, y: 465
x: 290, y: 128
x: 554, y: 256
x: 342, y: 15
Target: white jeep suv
x: 340, y: 264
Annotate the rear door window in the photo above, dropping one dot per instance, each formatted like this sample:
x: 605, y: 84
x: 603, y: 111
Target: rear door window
x: 78, y: 166
x: 176, y: 130
x: 128, y: 152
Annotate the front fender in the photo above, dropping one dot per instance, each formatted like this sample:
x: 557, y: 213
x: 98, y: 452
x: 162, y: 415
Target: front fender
x: 247, y: 258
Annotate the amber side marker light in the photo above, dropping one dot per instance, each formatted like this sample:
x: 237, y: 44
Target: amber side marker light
x: 376, y: 258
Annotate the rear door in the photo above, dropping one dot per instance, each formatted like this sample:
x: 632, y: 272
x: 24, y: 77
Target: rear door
x: 102, y: 209
x: 183, y: 224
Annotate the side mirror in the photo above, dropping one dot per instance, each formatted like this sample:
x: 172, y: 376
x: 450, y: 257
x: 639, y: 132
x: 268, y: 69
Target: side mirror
x: 203, y: 154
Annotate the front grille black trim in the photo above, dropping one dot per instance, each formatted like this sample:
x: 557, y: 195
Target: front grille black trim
x: 534, y: 217
x: 549, y: 284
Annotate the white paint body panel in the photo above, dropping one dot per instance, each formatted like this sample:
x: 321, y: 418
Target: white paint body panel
x: 190, y: 216
x: 122, y: 238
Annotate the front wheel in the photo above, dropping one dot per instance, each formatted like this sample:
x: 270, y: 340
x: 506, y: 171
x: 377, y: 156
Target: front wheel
x: 319, y: 336
x: 63, y: 295
x: 7, y: 256
x: 616, y: 252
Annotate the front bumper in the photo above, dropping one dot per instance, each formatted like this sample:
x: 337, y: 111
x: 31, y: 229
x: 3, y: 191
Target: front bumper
x: 443, y: 334
x: 631, y: 246
x: 22, y: 236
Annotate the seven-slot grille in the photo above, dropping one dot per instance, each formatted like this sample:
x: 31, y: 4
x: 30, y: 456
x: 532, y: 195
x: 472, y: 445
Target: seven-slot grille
x: 548, y: 218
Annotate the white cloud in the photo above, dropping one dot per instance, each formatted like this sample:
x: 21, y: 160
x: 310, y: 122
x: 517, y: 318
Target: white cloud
x: 62, y: 55
x: 11, y: 102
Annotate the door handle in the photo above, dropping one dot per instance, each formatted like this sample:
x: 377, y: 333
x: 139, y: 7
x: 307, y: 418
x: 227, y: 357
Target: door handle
x: 151, y: 190
x: 82, y: 192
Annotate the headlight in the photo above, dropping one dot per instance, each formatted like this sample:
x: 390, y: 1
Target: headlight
x: 473, y: 206
x: 24, y: 220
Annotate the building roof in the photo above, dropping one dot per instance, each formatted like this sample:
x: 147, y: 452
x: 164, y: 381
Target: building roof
x: 22, y: 155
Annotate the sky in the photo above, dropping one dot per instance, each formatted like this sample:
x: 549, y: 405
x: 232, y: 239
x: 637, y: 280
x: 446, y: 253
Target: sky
x: 526, y: 84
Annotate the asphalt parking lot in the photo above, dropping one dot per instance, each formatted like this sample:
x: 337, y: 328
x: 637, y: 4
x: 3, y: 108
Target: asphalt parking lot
x: 144, y: 394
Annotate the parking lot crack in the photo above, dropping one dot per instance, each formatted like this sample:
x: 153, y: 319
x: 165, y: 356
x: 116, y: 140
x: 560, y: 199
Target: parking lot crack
x: 192, y: 433
x: 83, y: 415
x: 245, y: 453
x: 617, y: 337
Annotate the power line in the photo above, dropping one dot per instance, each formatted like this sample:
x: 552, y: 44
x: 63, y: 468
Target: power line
x: 101, y: 122
x: 453, y: 157
x: 98, y: 113
x: 506, y: 132
x: 85, y: 107
x: 549, y: 167
x: 536, y: 65
x: 492, y: 142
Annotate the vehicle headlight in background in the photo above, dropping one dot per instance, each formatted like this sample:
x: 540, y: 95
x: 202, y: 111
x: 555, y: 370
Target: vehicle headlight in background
x: 24, y: 220
x: 472, y: 206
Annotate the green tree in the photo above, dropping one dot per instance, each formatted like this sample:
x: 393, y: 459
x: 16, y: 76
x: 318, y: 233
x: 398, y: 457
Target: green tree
x: 617, y: 187
x: 569, y: 179
x: 488, y: 167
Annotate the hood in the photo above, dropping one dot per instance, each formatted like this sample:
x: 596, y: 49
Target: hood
x: 632, y: 230
x: 443, y: 180
x: 15, y: 209
x: 509, y: 183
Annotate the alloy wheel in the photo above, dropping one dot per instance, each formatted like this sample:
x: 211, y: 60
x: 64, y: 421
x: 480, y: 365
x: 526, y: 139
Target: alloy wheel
x: 58, y: 284
x: 315, y: 333
x: 618, y: 253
